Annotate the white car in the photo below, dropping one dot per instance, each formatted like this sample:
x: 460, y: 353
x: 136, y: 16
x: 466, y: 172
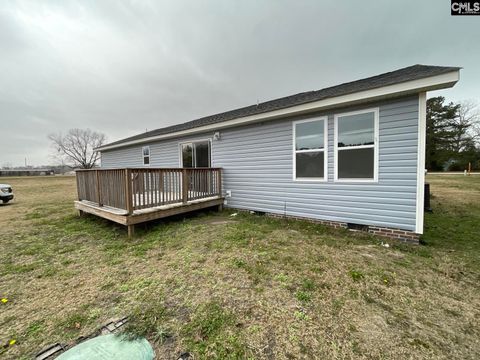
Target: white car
x: 6, y: 193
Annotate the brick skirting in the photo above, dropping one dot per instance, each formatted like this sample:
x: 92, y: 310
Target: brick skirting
x: 398, y: 234
x: 390, y: 233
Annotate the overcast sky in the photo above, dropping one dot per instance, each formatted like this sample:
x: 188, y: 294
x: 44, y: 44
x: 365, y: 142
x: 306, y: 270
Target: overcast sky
x: 121, y: 67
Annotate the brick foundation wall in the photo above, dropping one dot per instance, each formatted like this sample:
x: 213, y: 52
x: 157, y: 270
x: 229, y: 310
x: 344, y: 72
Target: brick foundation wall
x: 390, y: 233
x: 398, y: 234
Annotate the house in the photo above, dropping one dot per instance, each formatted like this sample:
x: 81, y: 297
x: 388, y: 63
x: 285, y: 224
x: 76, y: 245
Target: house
x: 350, y: 155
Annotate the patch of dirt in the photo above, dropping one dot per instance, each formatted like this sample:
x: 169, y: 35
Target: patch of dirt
x: 216, y: 221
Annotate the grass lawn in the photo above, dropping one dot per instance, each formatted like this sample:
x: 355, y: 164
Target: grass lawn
x: 241, y: 287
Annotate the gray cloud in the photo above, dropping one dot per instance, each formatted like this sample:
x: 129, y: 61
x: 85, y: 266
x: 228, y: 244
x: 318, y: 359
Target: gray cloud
x: 121, y: 67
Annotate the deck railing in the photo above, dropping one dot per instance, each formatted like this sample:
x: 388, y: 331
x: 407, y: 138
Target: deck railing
x: 134, y: 189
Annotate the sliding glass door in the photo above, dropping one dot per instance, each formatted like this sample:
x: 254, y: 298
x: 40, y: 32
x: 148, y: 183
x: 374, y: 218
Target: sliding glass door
x: 187, y: 156
x: 196, y: 154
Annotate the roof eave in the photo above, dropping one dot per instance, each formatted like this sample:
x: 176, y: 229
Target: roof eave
x: 430, y: 83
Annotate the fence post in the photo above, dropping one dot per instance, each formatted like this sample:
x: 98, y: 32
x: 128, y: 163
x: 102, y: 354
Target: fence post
x: 99, y: 193
x: 128, y: 191
x: 184, y: 186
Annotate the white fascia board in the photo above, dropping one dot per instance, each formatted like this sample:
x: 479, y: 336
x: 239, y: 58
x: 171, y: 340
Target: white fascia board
x: 409, y: 87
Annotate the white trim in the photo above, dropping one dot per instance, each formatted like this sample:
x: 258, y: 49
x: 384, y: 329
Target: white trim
x: 191, y: 142
x: 336, y: 149
x: 408, y: 87
x: 355, y: 147
x: 308, y: 150
x: 422, y: 124
x: 144, y: 156
x: 325, y: 150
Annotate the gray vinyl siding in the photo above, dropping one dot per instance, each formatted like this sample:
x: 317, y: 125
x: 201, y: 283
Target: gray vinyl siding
x: 258, y: 169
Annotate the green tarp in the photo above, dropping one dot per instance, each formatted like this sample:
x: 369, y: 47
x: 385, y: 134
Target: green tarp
x: 109, y: 347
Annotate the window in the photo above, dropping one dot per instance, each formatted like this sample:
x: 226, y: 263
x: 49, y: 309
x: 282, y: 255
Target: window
x: 310, y: 153
x: 146, y: 155
x: 187, y: 155
x: 195, y: 154
x: 356, y: 136
x: 202, y: 154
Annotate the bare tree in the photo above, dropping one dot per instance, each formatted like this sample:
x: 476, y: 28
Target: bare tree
x: 469, y: 113
x: 77, y: 147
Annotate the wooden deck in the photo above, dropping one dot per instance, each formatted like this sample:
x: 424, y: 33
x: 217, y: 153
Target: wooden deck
x: 133, y: 196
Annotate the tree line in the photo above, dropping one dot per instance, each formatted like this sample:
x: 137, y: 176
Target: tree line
x: 452, y: 135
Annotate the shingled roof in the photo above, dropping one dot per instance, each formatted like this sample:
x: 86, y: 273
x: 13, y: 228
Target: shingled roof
x: 410, y: 73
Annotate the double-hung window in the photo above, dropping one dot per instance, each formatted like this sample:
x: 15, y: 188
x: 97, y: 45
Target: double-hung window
x: 310, y: 149
x: 146, y: 155
x: 356, y: 142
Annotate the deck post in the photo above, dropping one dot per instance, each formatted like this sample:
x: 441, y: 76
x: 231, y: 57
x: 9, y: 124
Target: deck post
x: 77, y: 179
x: 128, y: 192
x: 184, y: 186
x: 219, y: 179
x: 99, y: 195
x: 131, y: 230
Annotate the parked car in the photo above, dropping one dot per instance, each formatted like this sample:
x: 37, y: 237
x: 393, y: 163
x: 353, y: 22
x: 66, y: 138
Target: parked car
x: 6, y: 193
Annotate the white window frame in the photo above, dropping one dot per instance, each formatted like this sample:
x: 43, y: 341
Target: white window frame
x: 325, y: 151
x: 191, y: 142
x: 144, y: 156
x: 376, y: 112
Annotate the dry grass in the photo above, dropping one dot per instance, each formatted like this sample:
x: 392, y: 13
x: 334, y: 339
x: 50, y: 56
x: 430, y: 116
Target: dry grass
x: 253, y: 288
